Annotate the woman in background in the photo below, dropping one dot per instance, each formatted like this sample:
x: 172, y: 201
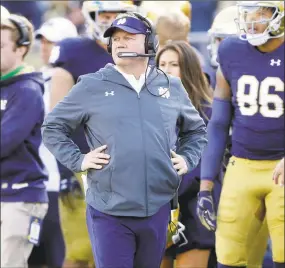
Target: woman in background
x: 179, y: 59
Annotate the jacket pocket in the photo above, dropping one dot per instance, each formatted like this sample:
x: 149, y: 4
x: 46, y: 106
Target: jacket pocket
x: 173, y: 178
x: 102, y: 178
x: 103, y: 183
x: 172, y: 146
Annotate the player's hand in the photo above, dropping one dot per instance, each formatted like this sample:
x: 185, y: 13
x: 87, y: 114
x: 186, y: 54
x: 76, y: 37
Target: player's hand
x: 278, y: 174
x: 95, y: 159
x: 179, y: 163
x: 206, y: 211
x: 70, y: 191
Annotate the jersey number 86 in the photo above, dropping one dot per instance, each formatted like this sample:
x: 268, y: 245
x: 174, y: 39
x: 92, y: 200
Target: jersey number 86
x: 258, y: 98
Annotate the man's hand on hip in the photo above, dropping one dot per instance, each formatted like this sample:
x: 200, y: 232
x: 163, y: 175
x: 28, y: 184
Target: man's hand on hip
x: 95, y: 159
x: 179, y: 163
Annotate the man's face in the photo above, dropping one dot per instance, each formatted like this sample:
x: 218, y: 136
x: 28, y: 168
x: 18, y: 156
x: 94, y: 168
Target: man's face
x: 46, y: 48
x: 126, y: 42
x: 257, y: 19
x: 8, y: 51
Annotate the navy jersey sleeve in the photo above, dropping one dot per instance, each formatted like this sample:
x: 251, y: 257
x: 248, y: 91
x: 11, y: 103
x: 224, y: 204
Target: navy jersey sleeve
x: 224, y: 53
x: 64, y: 55
x: 61, y: 122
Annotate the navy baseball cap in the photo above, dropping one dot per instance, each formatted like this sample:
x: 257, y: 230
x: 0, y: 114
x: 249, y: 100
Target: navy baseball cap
x: 127, y: 24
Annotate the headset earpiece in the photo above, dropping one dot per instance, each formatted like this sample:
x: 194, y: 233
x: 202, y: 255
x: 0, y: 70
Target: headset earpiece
x: 109, y: 46
x: 23, y: 31
x: 150, y: 40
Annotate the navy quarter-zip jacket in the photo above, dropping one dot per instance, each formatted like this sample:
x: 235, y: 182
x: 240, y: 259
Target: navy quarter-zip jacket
x: 22, y: 113
x: 139, y: 131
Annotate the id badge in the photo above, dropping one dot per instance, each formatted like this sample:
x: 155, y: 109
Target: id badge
x: 35, y: 228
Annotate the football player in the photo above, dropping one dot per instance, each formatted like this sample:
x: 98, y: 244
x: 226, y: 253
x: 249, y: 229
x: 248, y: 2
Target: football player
x: 249, y: 95
x: 224, y: 26
x: 51, y: 250
x: 71, y: 58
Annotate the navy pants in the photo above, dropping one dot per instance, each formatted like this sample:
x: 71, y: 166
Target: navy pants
x: 127, y: 242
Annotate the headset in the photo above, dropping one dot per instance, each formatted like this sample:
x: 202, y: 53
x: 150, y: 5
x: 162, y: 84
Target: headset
x: 151, y: 46
x: 23, y: 30
x: 151, y: 42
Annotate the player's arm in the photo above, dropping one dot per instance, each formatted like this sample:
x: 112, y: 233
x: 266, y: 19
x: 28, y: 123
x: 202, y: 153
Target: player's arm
x: 218, y: 129
x: 62, y: 59
x: 61, y: 83
x: 217, y: 134
x: 61, y: 122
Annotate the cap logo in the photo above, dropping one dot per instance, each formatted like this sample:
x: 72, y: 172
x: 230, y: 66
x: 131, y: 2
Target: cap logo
x: 121, y: 21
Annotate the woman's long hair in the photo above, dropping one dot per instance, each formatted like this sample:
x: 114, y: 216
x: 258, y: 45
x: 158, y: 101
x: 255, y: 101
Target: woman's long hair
x: 192, y: 76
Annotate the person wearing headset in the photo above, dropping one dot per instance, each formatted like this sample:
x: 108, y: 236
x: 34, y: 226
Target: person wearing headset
x: 133, y: 123
x: 24, y: 199
x: 71, y: 58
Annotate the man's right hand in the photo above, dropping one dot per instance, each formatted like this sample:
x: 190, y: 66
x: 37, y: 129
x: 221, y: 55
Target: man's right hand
x: 95, y: 159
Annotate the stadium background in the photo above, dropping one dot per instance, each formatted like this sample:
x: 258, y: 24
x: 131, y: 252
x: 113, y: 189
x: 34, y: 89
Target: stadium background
x: 38, y: 12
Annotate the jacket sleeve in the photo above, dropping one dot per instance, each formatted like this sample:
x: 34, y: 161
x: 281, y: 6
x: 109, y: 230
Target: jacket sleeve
x: 24, y: 111
x: 61, y: 122
x: 192, y: 131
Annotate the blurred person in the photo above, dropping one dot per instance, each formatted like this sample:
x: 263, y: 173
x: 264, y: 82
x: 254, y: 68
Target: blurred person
x: 74, y: 13
x: 128, y: 197
x: 71, y: 58
x: 175, y: 26
x: 171, y: 26
x: 24, y: 200
x: 32, y: 10
x: 153, y: 9
x: 179, y: 59
x: 224, y: 26
x: 203, y: 13
x: 51, y: 251
x: 224, y: 5
x: 4, y: 13
x: 249, y: 96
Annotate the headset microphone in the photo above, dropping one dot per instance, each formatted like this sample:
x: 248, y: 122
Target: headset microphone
x: 134, y: 55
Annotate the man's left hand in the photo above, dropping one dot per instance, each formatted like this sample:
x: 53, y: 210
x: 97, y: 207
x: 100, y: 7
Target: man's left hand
x: 179, y: 163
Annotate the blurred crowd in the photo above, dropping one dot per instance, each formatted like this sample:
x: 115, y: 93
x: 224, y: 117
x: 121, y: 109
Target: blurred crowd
x: 202, y: 15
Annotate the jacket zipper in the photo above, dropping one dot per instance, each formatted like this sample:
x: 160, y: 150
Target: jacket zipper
x: 146, y: 192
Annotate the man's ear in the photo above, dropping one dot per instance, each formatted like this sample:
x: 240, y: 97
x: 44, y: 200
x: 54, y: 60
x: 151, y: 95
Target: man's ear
x: 21, y: 51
